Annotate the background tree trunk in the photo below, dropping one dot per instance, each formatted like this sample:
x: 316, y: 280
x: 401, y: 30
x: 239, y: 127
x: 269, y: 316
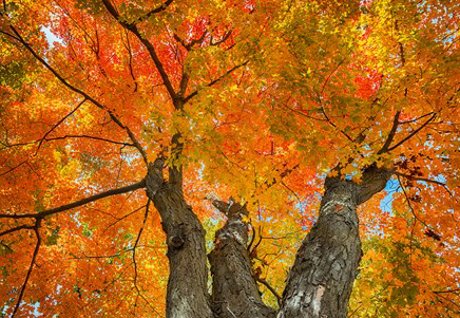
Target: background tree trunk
x: 234, y: 291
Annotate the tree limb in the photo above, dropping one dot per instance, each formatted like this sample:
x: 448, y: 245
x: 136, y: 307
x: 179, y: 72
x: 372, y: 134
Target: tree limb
x: 156, y: 10
x: 148, y: 45
x: 29, y: 272
x: 82, y: 93
x: 45, y: 213
x: 215, y: 81
x: 58, y: 123
x: 17, y: 228
x: 146, y: 214
x: 442, y: 184
x: 412, y: 133
x: 270, y: 288
x: 391, y: 135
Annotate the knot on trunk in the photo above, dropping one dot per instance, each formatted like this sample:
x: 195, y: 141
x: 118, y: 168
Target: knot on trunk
x: 178, y: 236
x: 176, y: 242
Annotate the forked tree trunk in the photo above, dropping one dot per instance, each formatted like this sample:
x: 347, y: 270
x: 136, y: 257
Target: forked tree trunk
x: 319, y: 283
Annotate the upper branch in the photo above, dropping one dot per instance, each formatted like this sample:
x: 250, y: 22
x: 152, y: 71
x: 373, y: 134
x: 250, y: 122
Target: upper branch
x: 42, y: 214
x: 412, y: 134
x: 17, y: 228
x: 156, y: 10
x: 146, y: 214
x: 373, y: 181
x: 148, y: 45
x: 427, y: 180
x: 215, y: 81
x: 391, y: 135
x: 58, y: 123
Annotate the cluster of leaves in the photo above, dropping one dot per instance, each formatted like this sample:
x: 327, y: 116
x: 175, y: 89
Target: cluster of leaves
x: 276, y: 94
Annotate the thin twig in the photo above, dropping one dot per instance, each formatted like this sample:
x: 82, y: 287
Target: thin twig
x: 58, y: 123
x: 29, y: 272
x: 215, y: 81
x: 410, y: 205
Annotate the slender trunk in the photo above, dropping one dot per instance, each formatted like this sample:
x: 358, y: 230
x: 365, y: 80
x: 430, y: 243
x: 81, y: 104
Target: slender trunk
x: 234, y: 291
x: 187, y: 295
x: 320, y: 282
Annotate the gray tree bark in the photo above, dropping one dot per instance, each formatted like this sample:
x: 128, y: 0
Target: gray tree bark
x: 234, y: 290
x: 319, y: 283
x: 187, y: 295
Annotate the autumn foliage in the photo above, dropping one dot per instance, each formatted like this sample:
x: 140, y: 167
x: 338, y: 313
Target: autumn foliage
x: 258, y: 101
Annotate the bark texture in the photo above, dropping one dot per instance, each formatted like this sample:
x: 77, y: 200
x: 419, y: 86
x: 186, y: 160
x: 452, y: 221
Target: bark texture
x: 320, y: 282
x: 234, y: 292
x: 187, y: 295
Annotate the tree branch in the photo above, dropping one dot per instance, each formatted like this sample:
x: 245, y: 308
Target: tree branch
x: 12, y: 169
x: 29, y: 272
x: 58, y: 123
x: 222, y: 39
x: 148, y: 45
x: 391, y: 135
x: 146, y: 214
x: 412, y: 133
x: 82, y: 93
x: 192, y: 43
x: 17, y: 228
x: 415, y: 119
x: 215, y: 81
x: 45, y: 213
x: 410, y: 205
x: 158, y: 9
x: 270, y: 288
x: 442, y: 184
x: 91, y: 137
x: 134, y: 251
x: 334, y: 125
x: 124, y: 217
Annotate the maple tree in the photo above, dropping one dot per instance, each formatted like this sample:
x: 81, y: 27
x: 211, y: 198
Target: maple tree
x: 274, y: 136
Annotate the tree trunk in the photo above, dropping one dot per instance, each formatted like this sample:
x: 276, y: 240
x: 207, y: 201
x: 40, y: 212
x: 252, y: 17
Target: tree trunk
x: 320, y: 282
x: 234, y: 290
x: 187, y: 295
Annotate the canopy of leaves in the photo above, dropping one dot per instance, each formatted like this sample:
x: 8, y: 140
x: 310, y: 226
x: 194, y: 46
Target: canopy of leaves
x: 268, y: 97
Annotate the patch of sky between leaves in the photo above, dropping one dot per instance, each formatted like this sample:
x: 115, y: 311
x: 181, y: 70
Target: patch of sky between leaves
x: 386, y: 204
x: 51, y: 38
